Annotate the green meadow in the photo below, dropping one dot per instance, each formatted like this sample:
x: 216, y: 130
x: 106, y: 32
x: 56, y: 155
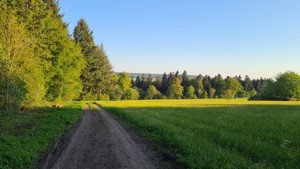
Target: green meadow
x: 25, y: 137
x: 216, y: 133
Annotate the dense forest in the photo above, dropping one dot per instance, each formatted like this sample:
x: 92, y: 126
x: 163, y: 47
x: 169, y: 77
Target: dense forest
x: 41, y: 61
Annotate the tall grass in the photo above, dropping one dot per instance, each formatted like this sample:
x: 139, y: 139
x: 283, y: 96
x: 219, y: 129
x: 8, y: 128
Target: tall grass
x: 218, y: 133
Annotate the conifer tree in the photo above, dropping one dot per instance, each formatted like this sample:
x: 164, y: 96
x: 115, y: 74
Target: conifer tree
x: 185, y: 82
x: 199, y: 90
x: 137, y: 82
x: 97, y: 77
x: 164, y: 84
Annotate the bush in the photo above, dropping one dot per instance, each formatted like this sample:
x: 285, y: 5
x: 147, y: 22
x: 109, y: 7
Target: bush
x: 104, y: 97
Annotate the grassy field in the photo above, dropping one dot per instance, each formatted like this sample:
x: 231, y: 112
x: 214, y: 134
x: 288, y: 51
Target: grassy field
x: 23, y: 138
x: 218, y: 133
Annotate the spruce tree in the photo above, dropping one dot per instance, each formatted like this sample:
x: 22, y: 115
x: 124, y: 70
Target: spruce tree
x: 199, y: 90
x: 206, y: 83
x: 137, y: 82
x: 164, y: 84
x: 248, y: 86
x: 185, y: 82
x: 97, y: 77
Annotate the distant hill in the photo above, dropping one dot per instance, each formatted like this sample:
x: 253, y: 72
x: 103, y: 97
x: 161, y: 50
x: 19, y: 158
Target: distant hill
x: 153, y: 75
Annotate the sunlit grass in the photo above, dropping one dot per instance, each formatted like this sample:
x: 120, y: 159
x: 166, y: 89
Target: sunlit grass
x: 192, y: 103
x: 217, y: 133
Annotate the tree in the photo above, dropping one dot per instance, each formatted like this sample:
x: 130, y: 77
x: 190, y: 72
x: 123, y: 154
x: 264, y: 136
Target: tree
x: 205, y: 95
x: 164, y: 84
x: 206, y: 83
x: 157, y: 82
x: 185, y: 82
x: 52, y: 46
x: 287, y: 86
x: 177, y: 74
x: 212, y: 93
x: 253, y: 93
x: 248, y: 86
x: 152, y: 93
x: 229, y: 94
x: 97, y: 77
x: 171, y: 78
x: 124, y: 84
x: 69, y: 67
x: 40, y: 59
x: 21, y: 75
x: 138, y: 82
x: 220, y: 86
x: 132, y: 94
x: 148, y: 82
x: 199, y: 86
x: 124, y: 81
x: 175, y: 89
x: 190, y: 93
x: 102, y: 72
x: 132, y: 82
x: 83, y: 36
x: 232, y: 87
x: 267, y: 91
x: 117, y: 92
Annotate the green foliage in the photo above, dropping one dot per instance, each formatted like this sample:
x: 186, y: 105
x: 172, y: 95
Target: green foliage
x: 205, y: 95
x: 199, y: 86
x: 190, y: 93
x: 38, y: 58
x: 220, y: 86
x: 248, y: 86
x: 22, y: 77
x: 175, y: 90
x: 229, y: 94
x: 164, y: 84
x: 124, y: 81
x: 253, y: 93
x: 212, y: 93
x: 131, y: 94
x: 84, y: 36
x: 152, y: 93
x: 185, y: 82
x: 117, y: 92
x: 232, y: 88
x: 287, y: 86
x: 104, y: 97
x: 97, y: 77
x: 207, y: 83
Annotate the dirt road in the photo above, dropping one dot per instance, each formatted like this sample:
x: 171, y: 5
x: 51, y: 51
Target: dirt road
x: 99, y: 141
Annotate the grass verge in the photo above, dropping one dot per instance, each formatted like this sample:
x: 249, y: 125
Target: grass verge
x: 25, y: 137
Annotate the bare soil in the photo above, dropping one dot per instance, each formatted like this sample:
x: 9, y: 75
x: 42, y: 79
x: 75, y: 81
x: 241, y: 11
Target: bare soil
x: 99, y: 141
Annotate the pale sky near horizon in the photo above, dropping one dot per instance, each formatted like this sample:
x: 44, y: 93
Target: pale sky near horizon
x: 255, y: 38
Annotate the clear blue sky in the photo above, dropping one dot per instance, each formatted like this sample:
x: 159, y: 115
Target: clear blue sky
x: 254, y: 37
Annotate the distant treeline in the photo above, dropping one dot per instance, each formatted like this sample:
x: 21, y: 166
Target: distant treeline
x: 179, y: 86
